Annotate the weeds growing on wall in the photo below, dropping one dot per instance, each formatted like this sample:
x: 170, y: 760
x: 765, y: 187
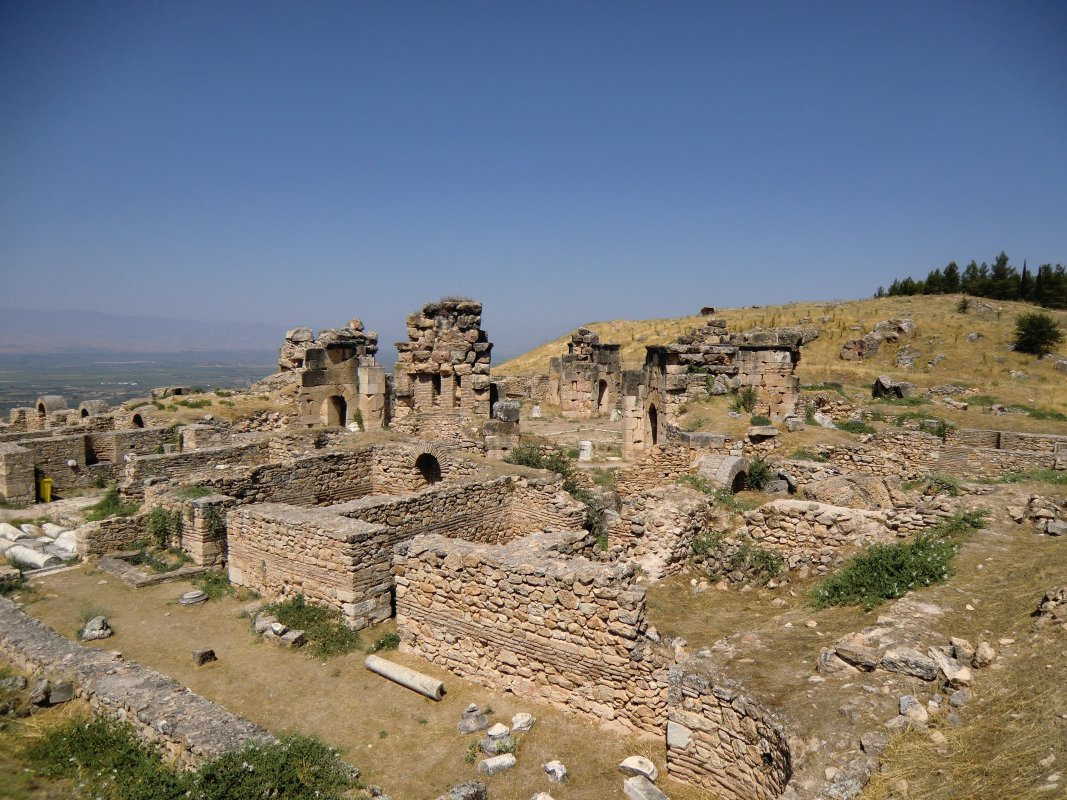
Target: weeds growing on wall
x: 803, y: 454
x: 162, y: 525
x: 745, y: 400
x: 388, y: 641
x: 854, y: 426
x: 888, y: 571
x: 759, y: 473
x: 110, y: 505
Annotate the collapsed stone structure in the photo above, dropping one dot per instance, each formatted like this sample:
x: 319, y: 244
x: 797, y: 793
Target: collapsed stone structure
x: 441, y: 380
x: 339, y: 380
x: 706, y: 361
x: 589, y: 376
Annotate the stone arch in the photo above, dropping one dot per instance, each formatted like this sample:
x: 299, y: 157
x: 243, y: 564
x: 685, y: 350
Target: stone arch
x: 137, y: 420
x: 48, y: 403
x: 726, y: 472
x: 431, y: 463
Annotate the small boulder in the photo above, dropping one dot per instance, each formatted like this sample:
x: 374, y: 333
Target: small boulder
x: 193, y: 598
x: 556, y: 772
x: 205, y: 656
x: 522, y: 722
x: 472, y: 720
x: 96, y: 628
x: 496, y: 764
x: 641, y: 788
x: 639, y: 765
x: 62, y: 692
x: 984, y: 655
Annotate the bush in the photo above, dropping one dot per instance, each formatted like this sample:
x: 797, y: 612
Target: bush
x: 760, y: 420
x: 963, y: 305
x: 1036, y: 333
x: 110, y: 505
x: 745, y: 400
x: 214, y: 584
x: 706, y: 543
x: 327, y: 635
x: 888, y: 571
x: 162, y: 525
x: 759, y: 473
x: 194, y: 492
x: 554, y: 461
x: 806, y: 455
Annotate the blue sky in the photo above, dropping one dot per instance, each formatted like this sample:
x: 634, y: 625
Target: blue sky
x: 304, y: 163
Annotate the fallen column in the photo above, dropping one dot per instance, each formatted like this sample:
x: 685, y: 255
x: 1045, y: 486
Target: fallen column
x: 408, y: 678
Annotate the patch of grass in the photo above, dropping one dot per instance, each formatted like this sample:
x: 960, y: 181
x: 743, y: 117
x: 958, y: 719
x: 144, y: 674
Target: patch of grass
x: 983, y: 400
x: 727, y: 499
x: 707, y: 542
x: 388, y: 641
x: 755, y: 561
x: 696, y: 482
x: 1056, y: 477
x: 803, y: 454
x: 888, y: 571
x: 110, y: 505
x: 147, y: 558
x: 913, y: 400
x: 939, y: 483
x: 90, y: 611
x: 105, y: 759
x: 1040, y: 413
x: 193, y: 492
x: 604, y: 478
x: 854, y: 426
x: 825, y: 387
x: 223, y: 393
x: 214, y: 584
x: 553, y: 460
x: 759, y: 419
x: 10, y: 587
x: 201, y: 402
x: 327, y: 635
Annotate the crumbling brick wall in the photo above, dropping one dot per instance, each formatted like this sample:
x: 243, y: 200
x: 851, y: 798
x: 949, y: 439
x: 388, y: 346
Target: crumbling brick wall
x: 519, y: 618
x: 656, y: 528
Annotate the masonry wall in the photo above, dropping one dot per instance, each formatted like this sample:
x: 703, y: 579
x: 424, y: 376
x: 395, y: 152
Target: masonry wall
x: 109, y: 535
x: 182, y: 466
x: 656, y: 528
x: 904, y: 454
x: 815, y: 534
x: 519, y: 618
x: 196, y: 729
x: 671, y: 459
x: 721, y: 739
x: 17, y: 485
x: 343, y: 563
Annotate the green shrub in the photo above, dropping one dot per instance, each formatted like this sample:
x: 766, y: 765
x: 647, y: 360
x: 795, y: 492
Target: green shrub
x: 982, y: 400
x: 803, y: 454
x: 223, y: 393
x: 1040, y: 413
x: 829, y: 386
x: 110, y: 505
x: 162, y: 524
x: 913, y: 400
x: 759, y: 473
x: 327, y: 635
x: 854, y: 426
x: 1056, y: 477
x: 706, y: 542
x: 388, y: 641
x: 1036, y: 333
x: 695, y: 482
x: 759, y: 420
x: 554, y: 461
x: 888, y: 571
x: 149, y: 559
x: 963, y: 305
x: 357, y: 417
x: 202, y: 402
x: 745, y: 400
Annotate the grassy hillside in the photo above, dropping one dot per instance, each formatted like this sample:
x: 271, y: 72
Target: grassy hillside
x: 986, y: 364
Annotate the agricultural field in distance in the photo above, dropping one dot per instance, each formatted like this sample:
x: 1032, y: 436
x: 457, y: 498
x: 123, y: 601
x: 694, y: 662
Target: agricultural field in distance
x: 117, y: 377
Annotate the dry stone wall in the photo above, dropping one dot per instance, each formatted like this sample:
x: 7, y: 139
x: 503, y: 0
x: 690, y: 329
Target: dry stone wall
x: 589, y: 376
x: 656, y: 528
x: 518, y: 618
x: 188, y: 465
x: 721, y: 739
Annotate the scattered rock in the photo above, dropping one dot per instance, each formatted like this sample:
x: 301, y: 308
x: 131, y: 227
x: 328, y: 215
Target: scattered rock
x: 641, y: 788
x: 471, y: 790
x: 639, y: 765
x: 472, y: 720
x: 201, y: 657
x: 62, y: 692
x: 960, y: 698
x: 522, y: 722
x: 873, y: 743
x: 984, y: 655
x: 193, y: 598
x: 96, y: 628
x: 496, y: 764
x: 906, y: 661
x: 556, y: 772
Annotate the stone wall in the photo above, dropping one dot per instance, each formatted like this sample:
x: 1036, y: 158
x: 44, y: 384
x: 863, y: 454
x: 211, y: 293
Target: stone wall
x: 538, y: 389
x: 670, y: 460
x: 520, y: 618
x: 17, y: 486
x: 721, y: 739
x: 815, y: 534
x: 109, y: 535
x: 656, y: 528
x: 187, y: 465
x: 189, y: 728
x: 903, y: 454
x: 283, y: 550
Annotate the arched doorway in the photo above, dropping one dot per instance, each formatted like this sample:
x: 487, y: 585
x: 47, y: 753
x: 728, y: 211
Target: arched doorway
x: 138, y: 421
x: 602, y: 396
x: 336, y: 410
x: 653, y: 424
x: 429, y: 467
x: 85, y: 413
x: 41, y: 411
x: 740, y: 482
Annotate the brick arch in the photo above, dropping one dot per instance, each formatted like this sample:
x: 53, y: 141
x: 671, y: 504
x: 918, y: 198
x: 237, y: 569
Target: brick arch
x: 428, y: 458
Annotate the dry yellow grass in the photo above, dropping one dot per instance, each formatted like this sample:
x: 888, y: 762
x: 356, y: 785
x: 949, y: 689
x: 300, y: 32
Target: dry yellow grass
x: 941, y: 331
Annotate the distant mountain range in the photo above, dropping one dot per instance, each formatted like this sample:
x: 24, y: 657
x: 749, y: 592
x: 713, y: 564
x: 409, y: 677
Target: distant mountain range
x: 24, y: 330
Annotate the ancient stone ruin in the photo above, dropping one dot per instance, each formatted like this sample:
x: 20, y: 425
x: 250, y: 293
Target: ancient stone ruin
x: 589, y: 376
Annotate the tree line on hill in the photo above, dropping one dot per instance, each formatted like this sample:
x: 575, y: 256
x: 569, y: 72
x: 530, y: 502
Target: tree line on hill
x: 1047, y: 286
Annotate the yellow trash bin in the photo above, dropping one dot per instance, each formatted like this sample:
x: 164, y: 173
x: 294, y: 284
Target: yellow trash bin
x: 46, y: 490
